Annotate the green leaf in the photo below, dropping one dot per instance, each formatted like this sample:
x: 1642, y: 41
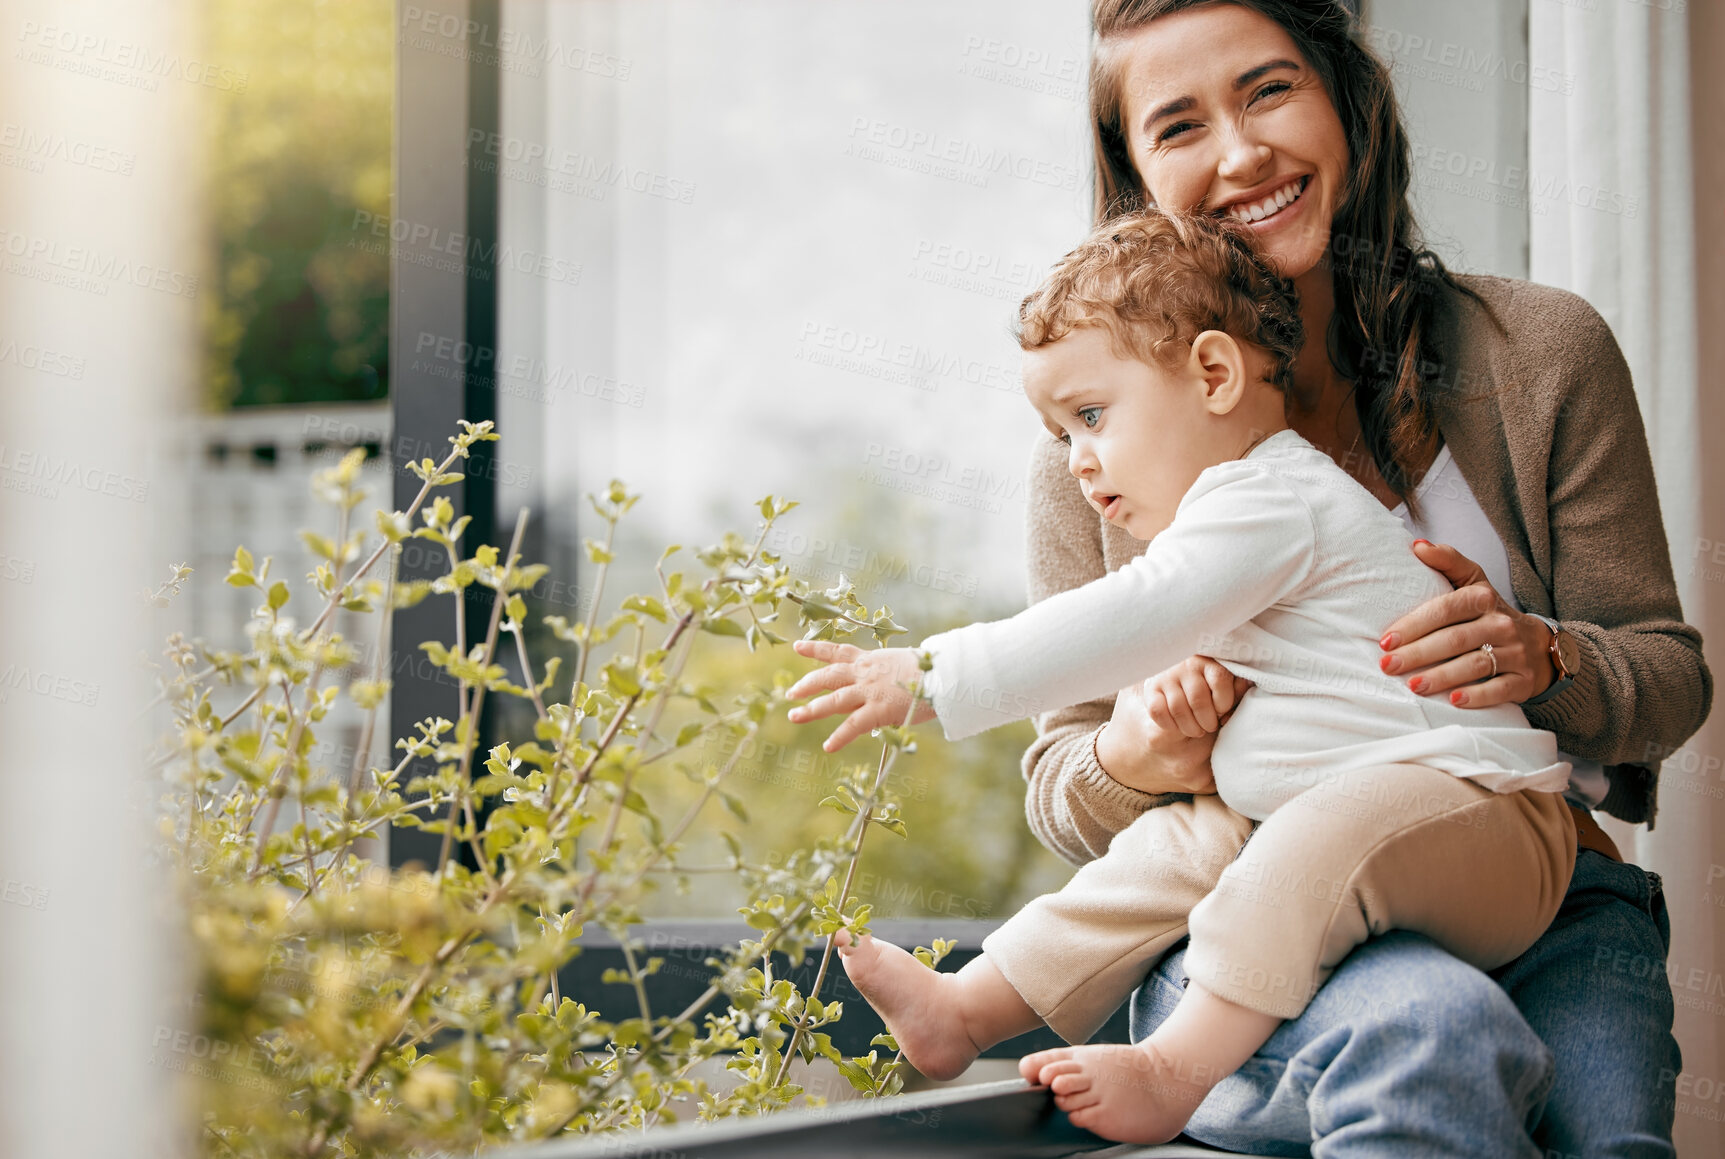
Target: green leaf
x: 278, y: 594
x: 647, y: 605
x: 410, y: 592
x: 734, y: 806
x: 723, y: 627
x: 892, y: 825
x: 319, y: 545
x: 393, y: 525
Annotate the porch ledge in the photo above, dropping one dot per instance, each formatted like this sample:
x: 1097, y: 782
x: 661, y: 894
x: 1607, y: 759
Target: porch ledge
x: 1005, y: 1120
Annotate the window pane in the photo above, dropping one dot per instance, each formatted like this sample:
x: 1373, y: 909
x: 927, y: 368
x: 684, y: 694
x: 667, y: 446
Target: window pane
x: 777, y: 247
x: 1461, y: 74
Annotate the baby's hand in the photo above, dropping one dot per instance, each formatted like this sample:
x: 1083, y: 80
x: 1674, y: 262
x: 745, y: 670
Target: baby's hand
x: 1194, y: 697
x: 871, y: 686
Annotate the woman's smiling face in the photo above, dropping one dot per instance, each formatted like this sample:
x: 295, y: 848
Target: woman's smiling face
x: 1223, y: 114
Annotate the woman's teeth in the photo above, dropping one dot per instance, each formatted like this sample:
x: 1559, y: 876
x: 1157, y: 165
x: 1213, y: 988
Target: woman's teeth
x: 1271, y: 205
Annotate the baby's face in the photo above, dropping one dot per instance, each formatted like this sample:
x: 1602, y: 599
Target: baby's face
x: 1139, y: 435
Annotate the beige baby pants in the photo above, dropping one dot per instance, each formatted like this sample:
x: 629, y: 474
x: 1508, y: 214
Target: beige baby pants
x: 1395, y: 847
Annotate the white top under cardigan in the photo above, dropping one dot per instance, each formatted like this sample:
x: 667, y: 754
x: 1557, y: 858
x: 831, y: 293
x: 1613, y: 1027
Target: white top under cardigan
x: 1449, y: 513
x: 1287, y: 571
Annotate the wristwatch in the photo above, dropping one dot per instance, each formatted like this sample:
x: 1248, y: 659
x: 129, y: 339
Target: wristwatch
x: 1565, y: 658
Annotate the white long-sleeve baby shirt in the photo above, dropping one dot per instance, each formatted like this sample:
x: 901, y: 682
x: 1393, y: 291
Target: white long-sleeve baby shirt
x: 1287, y: 571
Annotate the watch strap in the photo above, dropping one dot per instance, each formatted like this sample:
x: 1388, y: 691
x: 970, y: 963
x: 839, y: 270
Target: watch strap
x: 1561, y: 681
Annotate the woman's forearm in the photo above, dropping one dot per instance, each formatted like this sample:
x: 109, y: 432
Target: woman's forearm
x: 1073, y: 806
x: 1639, y: 695
x: 1643, y: 687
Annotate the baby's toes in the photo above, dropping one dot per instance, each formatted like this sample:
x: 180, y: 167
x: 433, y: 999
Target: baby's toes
x: 1087, y: 1116
x: 1070, y: 1082
x: 1030, y: 1066
x: 1078, y: 1103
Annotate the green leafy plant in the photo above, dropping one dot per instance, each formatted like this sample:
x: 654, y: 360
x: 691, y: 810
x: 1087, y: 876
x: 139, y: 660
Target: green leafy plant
x: 347, y: 1008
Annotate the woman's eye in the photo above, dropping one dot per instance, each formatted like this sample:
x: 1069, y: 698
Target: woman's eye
x: 1274, y: 88
x: 1174, y: 130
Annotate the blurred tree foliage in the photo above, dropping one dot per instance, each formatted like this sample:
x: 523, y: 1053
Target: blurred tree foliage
x: 300, y: 305
x: 971, y: 855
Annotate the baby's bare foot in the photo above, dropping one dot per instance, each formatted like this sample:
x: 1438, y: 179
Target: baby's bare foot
x: 1130, y: 1094
x: 918, y: 1005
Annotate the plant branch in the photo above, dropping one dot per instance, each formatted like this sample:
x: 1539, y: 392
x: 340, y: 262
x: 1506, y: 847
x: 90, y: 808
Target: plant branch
x: 889, y: 753
x: 583, y: 645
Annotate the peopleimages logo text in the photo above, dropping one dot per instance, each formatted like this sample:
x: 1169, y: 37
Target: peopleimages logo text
x: 69, y: 472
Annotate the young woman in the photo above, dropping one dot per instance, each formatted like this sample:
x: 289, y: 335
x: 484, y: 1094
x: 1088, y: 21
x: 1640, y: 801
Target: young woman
x: 1499, y: 416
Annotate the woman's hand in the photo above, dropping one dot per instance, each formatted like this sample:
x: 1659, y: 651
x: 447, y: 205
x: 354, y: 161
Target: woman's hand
x: 873, y: 686
x: 1443, y: 636
x: 1162, y: 731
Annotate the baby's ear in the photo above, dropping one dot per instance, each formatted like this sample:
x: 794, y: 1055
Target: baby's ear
x: 1218, y: 362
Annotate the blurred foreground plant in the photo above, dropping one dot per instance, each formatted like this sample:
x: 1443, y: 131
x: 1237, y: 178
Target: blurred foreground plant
x: 347, y: 1008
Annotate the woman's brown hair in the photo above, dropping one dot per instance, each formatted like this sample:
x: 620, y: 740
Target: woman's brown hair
x: 1384, y: 277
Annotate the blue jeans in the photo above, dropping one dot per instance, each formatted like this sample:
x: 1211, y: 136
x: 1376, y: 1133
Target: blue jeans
x: 1408, y: 1052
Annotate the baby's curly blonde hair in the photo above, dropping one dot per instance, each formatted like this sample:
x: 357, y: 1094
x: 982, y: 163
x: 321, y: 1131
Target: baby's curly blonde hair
x: 1154, y: 280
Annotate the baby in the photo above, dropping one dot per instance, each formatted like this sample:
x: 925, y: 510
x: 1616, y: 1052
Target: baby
x: 1160, y: 350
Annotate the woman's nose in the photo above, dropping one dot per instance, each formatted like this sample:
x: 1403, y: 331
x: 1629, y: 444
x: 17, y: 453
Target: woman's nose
x: 1243, y: 159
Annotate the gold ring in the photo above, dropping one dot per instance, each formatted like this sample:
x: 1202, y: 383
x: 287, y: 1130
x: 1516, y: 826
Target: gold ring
x: 1490, y: 655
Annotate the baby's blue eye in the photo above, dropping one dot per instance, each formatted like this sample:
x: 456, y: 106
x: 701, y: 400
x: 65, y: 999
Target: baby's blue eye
x: 1091, y: 415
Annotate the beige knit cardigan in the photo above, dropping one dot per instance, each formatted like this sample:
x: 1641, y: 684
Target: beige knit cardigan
x: 1541, y: 419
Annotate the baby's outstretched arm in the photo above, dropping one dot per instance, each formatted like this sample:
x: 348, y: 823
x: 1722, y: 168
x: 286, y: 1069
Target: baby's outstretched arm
x: 873, y: 686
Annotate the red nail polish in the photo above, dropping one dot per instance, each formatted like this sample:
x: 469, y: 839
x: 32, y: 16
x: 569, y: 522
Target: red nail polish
x: 1427, y: 542
x: 1416, y: 683
x: 1387, y: 663
x: 1458, y: 698
x: 1389, y: 641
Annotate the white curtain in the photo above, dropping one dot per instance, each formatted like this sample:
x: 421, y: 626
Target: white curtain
x: 93, y: 360
x: 1612, y: 201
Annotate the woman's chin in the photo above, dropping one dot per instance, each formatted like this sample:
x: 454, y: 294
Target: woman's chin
x: 1295, y: 255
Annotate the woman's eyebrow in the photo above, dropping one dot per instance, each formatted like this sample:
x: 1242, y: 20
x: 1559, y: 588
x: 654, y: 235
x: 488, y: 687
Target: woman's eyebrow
x: 1181, y: 104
